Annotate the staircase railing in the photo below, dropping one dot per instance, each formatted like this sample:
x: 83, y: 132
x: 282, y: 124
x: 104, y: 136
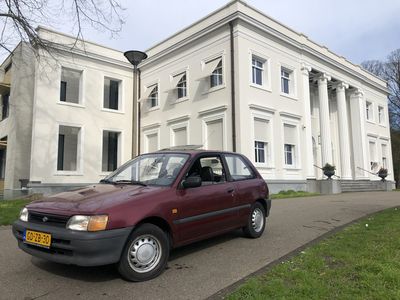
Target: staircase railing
x: 368, y: 171
x: 323, y: 170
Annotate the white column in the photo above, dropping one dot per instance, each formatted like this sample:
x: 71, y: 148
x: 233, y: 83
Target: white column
x: 357, y: 110
x: 344, y: 141
x: 307, y: 116
x: 325, y: 124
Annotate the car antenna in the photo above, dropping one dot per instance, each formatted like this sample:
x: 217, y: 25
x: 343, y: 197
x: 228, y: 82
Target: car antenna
x: 208, y: 137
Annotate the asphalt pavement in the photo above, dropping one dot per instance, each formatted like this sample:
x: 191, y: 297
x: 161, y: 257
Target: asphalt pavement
x: 207, y: 269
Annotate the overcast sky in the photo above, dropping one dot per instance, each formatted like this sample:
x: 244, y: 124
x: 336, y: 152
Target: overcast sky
x: 356, y: 29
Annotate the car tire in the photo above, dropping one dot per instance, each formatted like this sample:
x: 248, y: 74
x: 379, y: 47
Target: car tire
x: 256, y: 223
x: 145, y: 255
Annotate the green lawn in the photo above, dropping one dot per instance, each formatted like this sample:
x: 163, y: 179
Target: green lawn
x: 361, y: 261
x: 9, y: 210
x: 292, y: 194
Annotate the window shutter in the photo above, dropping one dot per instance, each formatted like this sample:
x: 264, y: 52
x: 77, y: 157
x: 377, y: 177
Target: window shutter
x: 214, y: 135
x: 261, y: 130
x: 289, y: 133
x: 152, y: 143
x: 180, y: 136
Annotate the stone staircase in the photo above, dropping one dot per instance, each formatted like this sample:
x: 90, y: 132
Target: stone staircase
x: 349, y: 186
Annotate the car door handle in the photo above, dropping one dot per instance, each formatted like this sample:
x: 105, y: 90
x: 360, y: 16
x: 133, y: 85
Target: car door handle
x: 230, y: 190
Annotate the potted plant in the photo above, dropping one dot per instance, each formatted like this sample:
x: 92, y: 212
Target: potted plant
x: 382, y: 173
x: 329, y: 170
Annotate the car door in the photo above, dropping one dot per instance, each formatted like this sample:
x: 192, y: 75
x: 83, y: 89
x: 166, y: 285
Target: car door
x: 245, y: 182
x: 209, y: 208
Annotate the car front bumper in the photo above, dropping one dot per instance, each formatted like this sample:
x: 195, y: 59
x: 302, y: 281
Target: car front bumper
x: 80, y: 248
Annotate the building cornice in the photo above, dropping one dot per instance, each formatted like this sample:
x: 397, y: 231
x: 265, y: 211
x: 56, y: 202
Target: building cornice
x: 179, y: 119
x: 303, y: 48
x: 290, y: 115
x: 262, y: 108
x: 213, y: 110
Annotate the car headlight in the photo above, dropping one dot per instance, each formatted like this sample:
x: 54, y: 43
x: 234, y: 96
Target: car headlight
x: 23, y: 214
x: 88, y: 223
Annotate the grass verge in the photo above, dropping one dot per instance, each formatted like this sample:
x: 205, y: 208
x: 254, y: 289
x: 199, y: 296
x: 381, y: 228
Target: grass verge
x: 9, y: 210
x: 358, y: 262
x: 292, y: 194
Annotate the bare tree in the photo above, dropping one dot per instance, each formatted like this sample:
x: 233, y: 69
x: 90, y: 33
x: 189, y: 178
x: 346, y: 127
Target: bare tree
x: 376, y: 67
x: 19, y: 18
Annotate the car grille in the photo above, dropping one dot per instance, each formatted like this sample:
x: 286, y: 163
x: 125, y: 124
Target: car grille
x: 48, y: 219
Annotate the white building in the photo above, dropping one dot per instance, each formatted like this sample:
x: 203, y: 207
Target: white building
x: 235, y: 80
x: 240, y: 80
x: 69, y: 119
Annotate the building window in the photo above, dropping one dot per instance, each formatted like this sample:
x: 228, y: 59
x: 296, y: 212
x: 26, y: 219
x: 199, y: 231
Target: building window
x: 261, y: 134
x: 312, y: 104
x: 381, y: 115
x: 3, y: 157
x: 6, y: 106
x: 182, y: 86
x: 211, y: 76
x: 289, y: 149
x: 216, y: 75
x: 384, y: 157
x: 289, y: 132
x: 179, y: 136
x: 151, y: 95
x: 178, y: 86
x: 372, y: 155
x: 111, y: 151
x: 288, y: 81
x: 369, y: 111
x: 68, y: 148
x: 285, y: 80
x: 260, y: 151
x: 111, y: 94
x: 70, y: 86
x: 151, y: 142
x: 154, y: 96
x: 63, y: 92
x: 214, y: 134
x: 257, y: 71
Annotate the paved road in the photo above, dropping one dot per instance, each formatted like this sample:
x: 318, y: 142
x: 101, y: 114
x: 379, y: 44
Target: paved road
x: 197, y: 271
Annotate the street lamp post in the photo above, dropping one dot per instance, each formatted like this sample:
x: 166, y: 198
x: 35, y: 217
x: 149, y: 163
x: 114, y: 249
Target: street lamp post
x: 135, y: 57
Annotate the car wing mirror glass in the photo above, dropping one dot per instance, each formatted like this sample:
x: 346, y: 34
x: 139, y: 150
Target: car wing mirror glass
x: 192, y: 182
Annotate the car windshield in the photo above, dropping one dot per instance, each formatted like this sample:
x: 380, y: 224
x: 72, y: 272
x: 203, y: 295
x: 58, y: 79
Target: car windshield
x: 159, y: 169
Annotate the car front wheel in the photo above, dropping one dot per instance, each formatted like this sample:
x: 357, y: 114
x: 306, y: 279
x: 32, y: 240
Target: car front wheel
x: 145, y: 255
x: 256, y: 223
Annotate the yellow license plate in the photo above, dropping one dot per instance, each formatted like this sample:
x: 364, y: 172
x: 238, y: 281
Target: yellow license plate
x: 37, y: 238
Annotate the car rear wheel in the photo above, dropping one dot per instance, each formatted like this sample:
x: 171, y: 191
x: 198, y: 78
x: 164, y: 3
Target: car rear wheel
x: 145, y: 255
x: 256, y: 223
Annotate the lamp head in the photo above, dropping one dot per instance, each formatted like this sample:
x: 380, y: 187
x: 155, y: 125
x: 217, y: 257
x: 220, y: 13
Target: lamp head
x: 135, y: 57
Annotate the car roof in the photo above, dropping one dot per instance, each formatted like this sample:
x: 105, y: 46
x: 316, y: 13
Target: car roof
x: 192, y: 150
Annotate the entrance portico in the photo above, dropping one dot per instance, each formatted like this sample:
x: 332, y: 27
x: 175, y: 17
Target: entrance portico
x: 337, y: 126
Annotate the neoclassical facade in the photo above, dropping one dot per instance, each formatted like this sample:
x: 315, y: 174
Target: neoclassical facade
x: 235, y: 80
x: 239, y: 80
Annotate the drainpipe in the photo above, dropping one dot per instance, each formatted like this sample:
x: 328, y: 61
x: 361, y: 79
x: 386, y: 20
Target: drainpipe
x: 139, y: 114
x: 233, y: 90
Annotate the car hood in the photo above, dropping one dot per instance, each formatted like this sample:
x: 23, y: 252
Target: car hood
x: 95, y: 199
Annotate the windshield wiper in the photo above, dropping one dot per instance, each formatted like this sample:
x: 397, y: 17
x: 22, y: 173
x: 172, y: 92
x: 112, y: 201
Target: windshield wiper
x: 131, y: 182
x: 107, y: 181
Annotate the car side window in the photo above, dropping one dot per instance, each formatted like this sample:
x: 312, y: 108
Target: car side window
x: 239, y: 169
x: 210, y: 169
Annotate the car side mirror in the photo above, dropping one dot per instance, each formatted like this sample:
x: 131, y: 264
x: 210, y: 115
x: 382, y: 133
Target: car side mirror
x: 192, y: 182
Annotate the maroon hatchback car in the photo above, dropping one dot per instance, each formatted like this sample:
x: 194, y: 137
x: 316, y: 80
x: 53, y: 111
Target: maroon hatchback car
x: 153, y: 203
